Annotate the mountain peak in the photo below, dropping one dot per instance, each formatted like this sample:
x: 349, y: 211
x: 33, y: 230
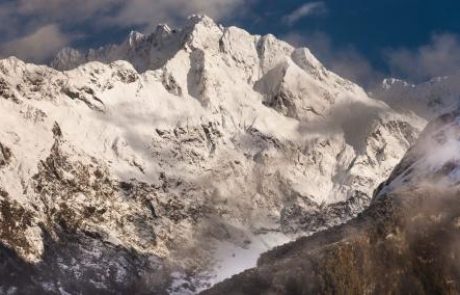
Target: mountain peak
x: 162, y: 30
x: 148, y: 52
x: 203, y: 19
x: 135, y: 38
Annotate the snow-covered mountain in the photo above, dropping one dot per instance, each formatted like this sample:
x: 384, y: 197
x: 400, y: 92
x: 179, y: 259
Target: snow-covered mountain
x: 127, y: 166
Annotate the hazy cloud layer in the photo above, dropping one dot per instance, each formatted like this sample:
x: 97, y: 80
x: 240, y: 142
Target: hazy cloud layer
x: 147, y: 12
x: 114, y: 12
x: 441, y: 57
x: 304, y: 11
x: 37, y: 46
x: 343, y: 118
x: 38, y: 28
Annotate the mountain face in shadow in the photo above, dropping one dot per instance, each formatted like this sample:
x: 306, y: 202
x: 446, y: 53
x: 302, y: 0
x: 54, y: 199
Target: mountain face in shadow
x: 81, y: 264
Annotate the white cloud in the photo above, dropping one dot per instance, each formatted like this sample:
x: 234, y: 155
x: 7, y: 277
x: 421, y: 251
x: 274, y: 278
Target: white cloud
x: 343, y: 118
x: 65, y: 10
x: 304, y: 11
x: 441, y: 57
x: 37, y: 46
x: 25, y: 16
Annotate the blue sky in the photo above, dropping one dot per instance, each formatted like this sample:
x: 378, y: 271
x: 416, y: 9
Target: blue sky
x: 363, y: 40
x: 365, y: 31
x: 368, y: 25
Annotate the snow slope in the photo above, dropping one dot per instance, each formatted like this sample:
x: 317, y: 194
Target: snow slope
x: 434, y: 161
x: 201, y: 136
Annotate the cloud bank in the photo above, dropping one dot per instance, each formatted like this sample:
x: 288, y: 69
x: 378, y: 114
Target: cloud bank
x: 38, y: 45
x: 441, y: 57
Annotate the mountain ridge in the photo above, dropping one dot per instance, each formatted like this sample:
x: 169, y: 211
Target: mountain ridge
x: 163, y: 156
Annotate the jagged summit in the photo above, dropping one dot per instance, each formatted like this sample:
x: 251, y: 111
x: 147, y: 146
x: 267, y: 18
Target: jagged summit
x: 199, y: 32
x: 202, y: 19
x: 145, y: 52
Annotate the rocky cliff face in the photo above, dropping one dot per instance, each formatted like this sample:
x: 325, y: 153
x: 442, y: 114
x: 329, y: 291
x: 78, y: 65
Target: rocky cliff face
x: 406, y: 242
x: 131, y: 172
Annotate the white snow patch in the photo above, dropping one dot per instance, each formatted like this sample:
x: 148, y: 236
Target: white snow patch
x: 230, y: 259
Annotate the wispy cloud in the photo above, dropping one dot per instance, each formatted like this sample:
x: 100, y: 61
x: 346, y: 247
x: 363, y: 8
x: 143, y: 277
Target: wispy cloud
x: 441, y: 57
x: 304, y: 11
x: 37, y: 46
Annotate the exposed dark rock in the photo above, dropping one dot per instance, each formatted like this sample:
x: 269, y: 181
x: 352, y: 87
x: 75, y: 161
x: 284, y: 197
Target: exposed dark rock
x: 171, y: 85
x: 3, y: 193
x: 14, y: 220
x: 80, y: 264
x: 5, y: 155
x: 78, y: 259
x: 295, y: 218
x: 4, y: 91
x: 85, y: 95
x: 127, y: 76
